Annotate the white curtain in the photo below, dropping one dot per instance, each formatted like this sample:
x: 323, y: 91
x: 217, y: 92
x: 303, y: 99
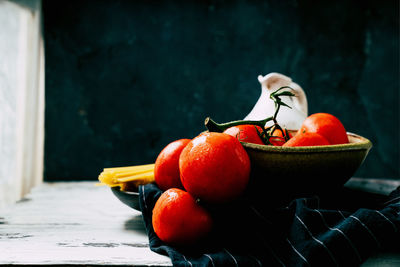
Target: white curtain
x: 21, y: 98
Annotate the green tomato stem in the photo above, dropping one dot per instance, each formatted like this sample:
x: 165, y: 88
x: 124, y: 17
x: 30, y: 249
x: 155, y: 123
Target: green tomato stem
x: 213, y: 126
x: 266, y: 133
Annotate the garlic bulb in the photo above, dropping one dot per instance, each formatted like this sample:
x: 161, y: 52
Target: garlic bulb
x: 265, y: 107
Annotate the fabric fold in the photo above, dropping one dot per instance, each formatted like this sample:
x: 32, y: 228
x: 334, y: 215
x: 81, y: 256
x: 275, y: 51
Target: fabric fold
x: 304, y: 233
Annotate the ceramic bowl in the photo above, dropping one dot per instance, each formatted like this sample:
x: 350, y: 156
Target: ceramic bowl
x: 131, y: 198
x: 301, y: 170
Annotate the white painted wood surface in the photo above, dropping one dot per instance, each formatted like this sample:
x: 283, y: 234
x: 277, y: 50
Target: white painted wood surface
x: 21, y: 98
x: 74, y: 223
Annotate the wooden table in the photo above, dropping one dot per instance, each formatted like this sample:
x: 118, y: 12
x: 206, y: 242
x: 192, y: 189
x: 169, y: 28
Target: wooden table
x: 82, y: 224
x: 74, y: 223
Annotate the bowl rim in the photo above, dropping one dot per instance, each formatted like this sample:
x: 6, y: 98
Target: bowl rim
x: 362, y: 144
x: 118, y: 190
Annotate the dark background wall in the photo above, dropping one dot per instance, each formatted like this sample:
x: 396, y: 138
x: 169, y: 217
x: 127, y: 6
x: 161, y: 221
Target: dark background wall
x: 125, y: 78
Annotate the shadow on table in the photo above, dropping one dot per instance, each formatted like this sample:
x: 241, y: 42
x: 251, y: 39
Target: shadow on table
x: 135, y: 224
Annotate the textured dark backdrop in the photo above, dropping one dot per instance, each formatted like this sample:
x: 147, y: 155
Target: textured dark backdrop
x: 125, y: 78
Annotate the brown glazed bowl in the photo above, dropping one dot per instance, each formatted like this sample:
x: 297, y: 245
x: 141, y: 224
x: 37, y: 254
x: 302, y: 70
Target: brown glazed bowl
x: 302, y: 170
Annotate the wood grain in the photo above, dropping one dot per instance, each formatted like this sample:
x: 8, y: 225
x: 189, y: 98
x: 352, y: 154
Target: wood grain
x: 21, y: 99
x: 74, y: 223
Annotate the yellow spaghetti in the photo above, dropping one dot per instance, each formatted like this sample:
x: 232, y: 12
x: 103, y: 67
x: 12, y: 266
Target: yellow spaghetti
x: 127, y: 178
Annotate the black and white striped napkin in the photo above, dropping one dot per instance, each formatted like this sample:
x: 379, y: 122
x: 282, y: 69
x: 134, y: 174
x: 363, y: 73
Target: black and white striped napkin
x: 334, y: 230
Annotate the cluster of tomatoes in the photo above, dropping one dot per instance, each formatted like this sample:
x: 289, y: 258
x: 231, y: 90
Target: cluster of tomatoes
x: 317, y: 130
x: 214, y: 168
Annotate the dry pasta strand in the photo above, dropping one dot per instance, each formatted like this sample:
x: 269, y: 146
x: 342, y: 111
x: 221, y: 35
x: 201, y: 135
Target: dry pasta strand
x: 146, y: 176
x: 122, y: 176
x: 132, y: 168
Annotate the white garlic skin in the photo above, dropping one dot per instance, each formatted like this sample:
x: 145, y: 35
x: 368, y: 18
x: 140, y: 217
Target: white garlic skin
x: 290, y: 119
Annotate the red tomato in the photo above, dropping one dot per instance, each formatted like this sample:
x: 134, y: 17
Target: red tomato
x: 166, y: 169
x: 279, y: 140
x: 246, y: 133
x: 214, y: 167
x: 178, y: 219
x: 307, y: 139
x: 326, y: 125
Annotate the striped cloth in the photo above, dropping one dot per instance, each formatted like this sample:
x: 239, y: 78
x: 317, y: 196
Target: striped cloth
x: 308, y: 232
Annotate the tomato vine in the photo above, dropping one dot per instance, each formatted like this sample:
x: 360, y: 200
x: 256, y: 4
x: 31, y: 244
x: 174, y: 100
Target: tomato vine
x: 267, y: 132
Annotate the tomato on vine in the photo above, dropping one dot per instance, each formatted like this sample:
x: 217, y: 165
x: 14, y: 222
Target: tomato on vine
x: 271, y: 135
x: 246, y: 133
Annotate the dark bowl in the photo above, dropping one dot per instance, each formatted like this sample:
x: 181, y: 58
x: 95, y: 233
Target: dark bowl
x: 303, y: 170
x: 131, y: 199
